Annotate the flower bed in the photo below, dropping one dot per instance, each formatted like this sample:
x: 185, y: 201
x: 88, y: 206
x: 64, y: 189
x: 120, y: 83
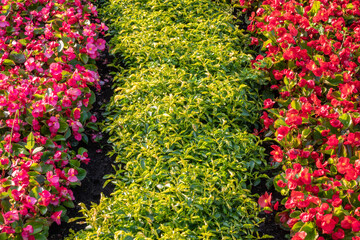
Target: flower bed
x: 311, y: 52
x: 178, y: 123
x: 46, y: 71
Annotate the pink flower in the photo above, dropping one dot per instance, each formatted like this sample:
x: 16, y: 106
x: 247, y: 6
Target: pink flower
x: 73, y: 93
x: 4, y: 161
x: 327, y: 224
x: 100, y: 44
x: 336, y: 123
x: 45, y: 198
x: 91, y: 48
x: 48, y: 53
x: 11, y: 216
x: 77, y: 136
x: 53, y: 124
x: 3, y: 22
x: 93, y: 118
x: 77, y: 113
x: 72, y: 172
x: 103, y: 27
x: 53, y: 179
x: 55, y: 69
x: 56, y: 217
x: 38, y: 109
x: 30, y: 64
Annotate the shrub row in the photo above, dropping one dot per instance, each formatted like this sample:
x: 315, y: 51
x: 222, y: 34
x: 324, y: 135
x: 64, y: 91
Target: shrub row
x: 312, y: 56
x: 47, y: 51
x: 178, y: 123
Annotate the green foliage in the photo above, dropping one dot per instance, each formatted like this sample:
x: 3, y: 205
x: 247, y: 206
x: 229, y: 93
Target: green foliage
x: 178, y: 122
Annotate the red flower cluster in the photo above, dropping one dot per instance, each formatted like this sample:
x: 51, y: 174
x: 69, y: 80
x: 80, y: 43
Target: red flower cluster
x: 312, y: 55
x: 47, y: 54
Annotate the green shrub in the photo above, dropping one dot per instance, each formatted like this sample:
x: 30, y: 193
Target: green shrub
x: 178, y: 122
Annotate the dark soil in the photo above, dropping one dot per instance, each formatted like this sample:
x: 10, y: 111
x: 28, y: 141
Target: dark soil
x: 99, y: 165
x: 269, y: 226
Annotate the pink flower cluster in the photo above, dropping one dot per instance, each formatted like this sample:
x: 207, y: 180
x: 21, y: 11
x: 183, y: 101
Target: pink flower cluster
x: 47, y: 55
x: 312, y: 55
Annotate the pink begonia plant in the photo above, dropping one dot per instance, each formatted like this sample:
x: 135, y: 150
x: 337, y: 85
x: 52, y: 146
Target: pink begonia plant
x: 47, y: 70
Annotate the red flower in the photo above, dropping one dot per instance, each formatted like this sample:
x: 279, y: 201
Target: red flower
x: 343, y: 165
x: 293, y: 153
x: 254, y: 41
x: 305, y: 176
x: 267, y: 121
x: 347, y: 222
x: 339, y: 234
x: 299, y: 236
x: 355, y: 226
x: 328, y: 224
x: 353, y: 139
x: 277, y: 153
x: 305, y: 217
x: 268, y: 103
x: 332, y: 142
x: 336, y: 123
x: 265, y: 200
x: 282, y: 132
x: 347, y: 90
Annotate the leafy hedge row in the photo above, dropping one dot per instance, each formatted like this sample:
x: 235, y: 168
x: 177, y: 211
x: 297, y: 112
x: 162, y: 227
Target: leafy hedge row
x: 178, y: 122
x: 47, y: 52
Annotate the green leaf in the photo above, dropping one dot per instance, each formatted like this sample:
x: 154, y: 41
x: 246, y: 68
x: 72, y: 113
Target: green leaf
x: 37, y: 149
x: 59, y: 138
x: 295, y: 214
x: 346, y: 120
x: 82, y: 150
x: 37, y: 226
x: 280, y: 122
x: 75, y: 163
x: 43, y: 210
x: 69, y: 204
x: 67, y: 133
x: 310, y: 229
x: 315, y: 8
x: 305, y: 133
x: 92, y: 126
x: 17, y: 57
x: 3, y: 236
x: 296, y: 105
x: 84, y: 58
x: 40, y: 236
x: 63, y: 126
x: 30, y: 141
x: 92, y: 98
x: 85, y: 138
x: 265, y: 44
x: 8, y: 62
x: 335, y: 81
x: 297, y: 226
x: 81, y: 173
